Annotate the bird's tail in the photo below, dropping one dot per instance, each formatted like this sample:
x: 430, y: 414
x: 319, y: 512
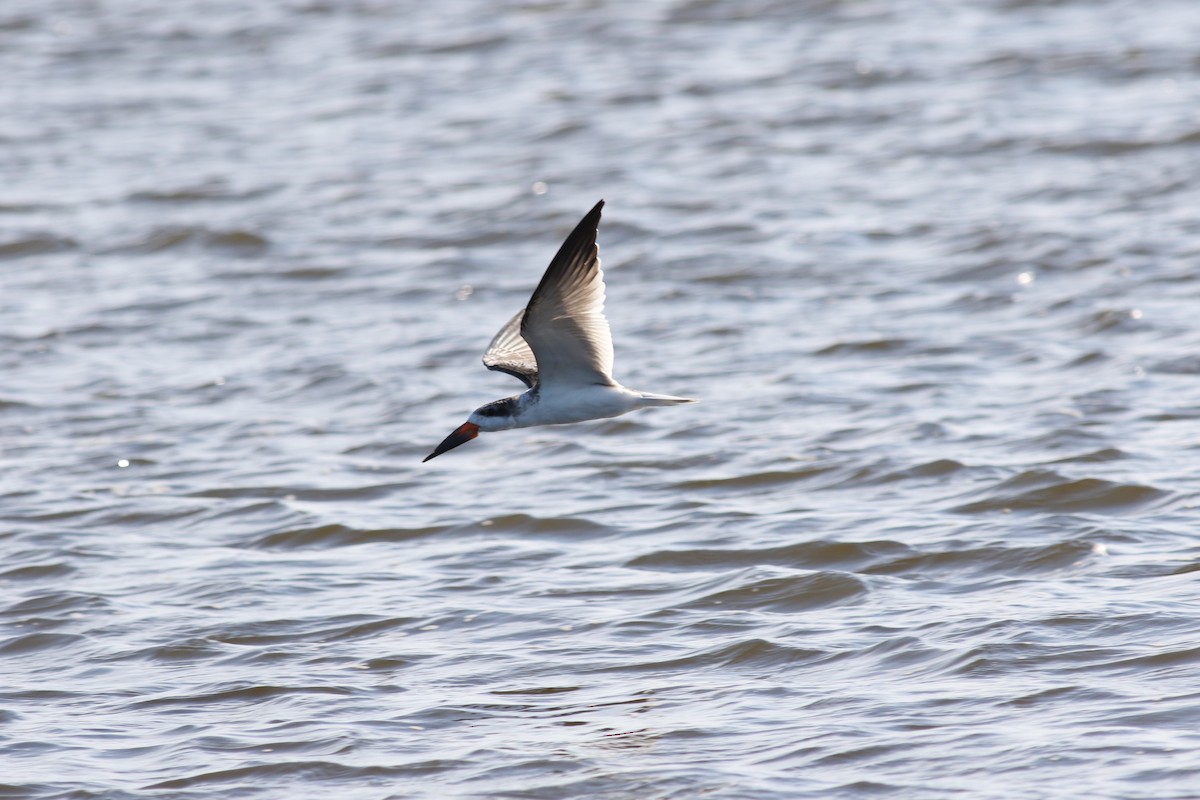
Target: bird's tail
x: 663, y: 400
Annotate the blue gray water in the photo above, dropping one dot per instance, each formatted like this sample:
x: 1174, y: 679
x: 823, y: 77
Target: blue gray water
x: 930, y: 267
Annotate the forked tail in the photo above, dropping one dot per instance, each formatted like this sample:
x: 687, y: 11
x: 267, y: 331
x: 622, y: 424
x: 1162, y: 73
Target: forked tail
x: 663, y: 400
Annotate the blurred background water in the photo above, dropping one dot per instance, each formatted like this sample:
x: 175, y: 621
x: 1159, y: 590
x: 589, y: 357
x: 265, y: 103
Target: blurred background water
x: 930, y: 266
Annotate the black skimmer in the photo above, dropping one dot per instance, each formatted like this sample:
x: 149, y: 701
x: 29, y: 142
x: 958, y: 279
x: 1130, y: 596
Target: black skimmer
x: 560, y: 346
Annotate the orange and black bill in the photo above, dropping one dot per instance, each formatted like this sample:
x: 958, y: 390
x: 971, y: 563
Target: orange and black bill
x: 462, y: 434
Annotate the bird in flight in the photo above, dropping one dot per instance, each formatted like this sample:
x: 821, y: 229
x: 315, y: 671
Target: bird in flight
x: 559, y: 346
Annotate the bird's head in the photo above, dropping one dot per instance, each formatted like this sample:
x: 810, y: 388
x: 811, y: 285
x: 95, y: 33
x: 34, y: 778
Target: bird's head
x: 496, y: 416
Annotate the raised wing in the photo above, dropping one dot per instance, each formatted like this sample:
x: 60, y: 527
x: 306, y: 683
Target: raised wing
x: 509, y: 352
x: 564, y: 322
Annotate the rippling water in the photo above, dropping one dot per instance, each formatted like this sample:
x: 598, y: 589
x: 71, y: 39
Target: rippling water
x: 931, y: 267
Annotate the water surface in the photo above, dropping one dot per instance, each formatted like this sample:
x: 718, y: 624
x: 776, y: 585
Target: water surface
x: 931, y: 269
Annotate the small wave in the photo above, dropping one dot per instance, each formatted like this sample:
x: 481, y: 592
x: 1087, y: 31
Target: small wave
x: 932, y: 469
x: 1175, y: 415
x: 1050, y: 492
x: 560, y: 130
x: 337, y: 535
x: 199, y: 194
x: 1101, y: 456
x: 240, y: 694
x: 989, y: 560
x: 278, y: 631
x: 884, y: 470
x: 1089, y: 359
x: 1075, y: 694
x: 1098, y: 146
x: 867, y: 346
x: 1161, y: 659
x: 227, y: 242
x: 789, y: 593
x: 708, y: 11
x: 311, y: 273
x: 755, y: 652
x: 35, y: 245
x: 899, y: 652
x: 524, y: 523
x: 308, y: 772
x: 1120, y: 320
x: 39, y: 642
x: 37, y: 572
x: 997, y: 658
x: 540, y: 690
x: 844, y: 555
x: 315, y: 495
x: 758, y: 479
x: 1184, y: 365
x: 57, y: 603
x: 190, y: 651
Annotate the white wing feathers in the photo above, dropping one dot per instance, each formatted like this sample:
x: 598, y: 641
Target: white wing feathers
x: 562, y: 337
x: 564, y: 321
x: 510, y: 353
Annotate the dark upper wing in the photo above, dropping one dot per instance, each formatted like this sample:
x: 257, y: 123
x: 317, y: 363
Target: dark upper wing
x: 510, y: 353
x: 564, y: 322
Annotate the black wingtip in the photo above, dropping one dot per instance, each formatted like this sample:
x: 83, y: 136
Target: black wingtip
x: 591, y: 220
